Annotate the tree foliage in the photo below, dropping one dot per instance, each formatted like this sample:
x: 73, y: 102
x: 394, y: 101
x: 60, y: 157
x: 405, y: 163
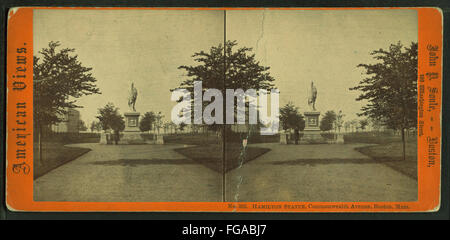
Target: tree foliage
x: 391, y: 87
x: 363, y: 123
x: 291, y: 118
x: 327, y: 121
x: 59, y: 78
x: 110, y: 118
x: 223, y: 67
x: 147, y: 121
x: 235, y: 69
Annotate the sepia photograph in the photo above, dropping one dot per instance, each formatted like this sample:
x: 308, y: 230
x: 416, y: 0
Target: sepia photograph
x: 262, y: 105
x: 347, y: 106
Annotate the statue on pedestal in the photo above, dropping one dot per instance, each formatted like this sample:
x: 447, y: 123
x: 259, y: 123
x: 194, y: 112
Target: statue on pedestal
x: 312, y: 133
x: 312, y: 97
x: 132, y: 98
x: 132, y: 133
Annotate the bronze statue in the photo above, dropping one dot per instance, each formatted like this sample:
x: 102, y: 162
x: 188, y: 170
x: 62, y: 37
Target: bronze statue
x: 312, y: 97
x: 132, y: 98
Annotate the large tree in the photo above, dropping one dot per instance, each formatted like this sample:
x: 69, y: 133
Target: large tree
x: 391, y: 88
x: 225, y: 67
x: 291, y: 118
x: 59, y: 79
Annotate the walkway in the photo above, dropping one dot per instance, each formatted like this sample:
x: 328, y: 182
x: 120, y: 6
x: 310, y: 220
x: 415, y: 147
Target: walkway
x: 144, y: 173
x: 315, y: 173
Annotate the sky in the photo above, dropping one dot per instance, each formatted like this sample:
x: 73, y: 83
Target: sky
x: 147, y: 47
x: 323, y: 46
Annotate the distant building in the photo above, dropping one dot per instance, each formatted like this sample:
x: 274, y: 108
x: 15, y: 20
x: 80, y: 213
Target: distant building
x: 70, y: 123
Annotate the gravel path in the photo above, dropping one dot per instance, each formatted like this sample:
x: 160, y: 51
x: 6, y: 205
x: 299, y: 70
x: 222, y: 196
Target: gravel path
x: 142, y: 173
x: 315, y: 173
x: 152, y: 173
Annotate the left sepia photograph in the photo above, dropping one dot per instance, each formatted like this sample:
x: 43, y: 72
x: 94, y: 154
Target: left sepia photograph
x: 103, y: 83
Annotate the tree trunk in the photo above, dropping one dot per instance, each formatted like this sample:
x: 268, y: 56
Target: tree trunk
x: 404, y: 144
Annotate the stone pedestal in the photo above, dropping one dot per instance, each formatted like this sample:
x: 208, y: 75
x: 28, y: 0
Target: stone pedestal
x: 131, y: 138
x: 311, y: 133
x: 132, y: 122
x: 131, y: 134
x: 312, y: 137
x: 312, y: 121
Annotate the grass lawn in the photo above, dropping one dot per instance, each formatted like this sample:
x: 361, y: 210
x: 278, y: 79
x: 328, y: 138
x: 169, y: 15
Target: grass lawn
x: 211, y: 155
x: 391, y: 154
x: 54, y: 154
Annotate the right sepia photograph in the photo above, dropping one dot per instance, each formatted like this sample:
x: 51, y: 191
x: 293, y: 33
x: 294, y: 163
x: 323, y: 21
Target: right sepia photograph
x: 347, y: 83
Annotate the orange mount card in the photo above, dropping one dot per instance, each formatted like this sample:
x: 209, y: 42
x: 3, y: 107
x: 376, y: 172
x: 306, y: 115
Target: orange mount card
x: 224, y: 109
